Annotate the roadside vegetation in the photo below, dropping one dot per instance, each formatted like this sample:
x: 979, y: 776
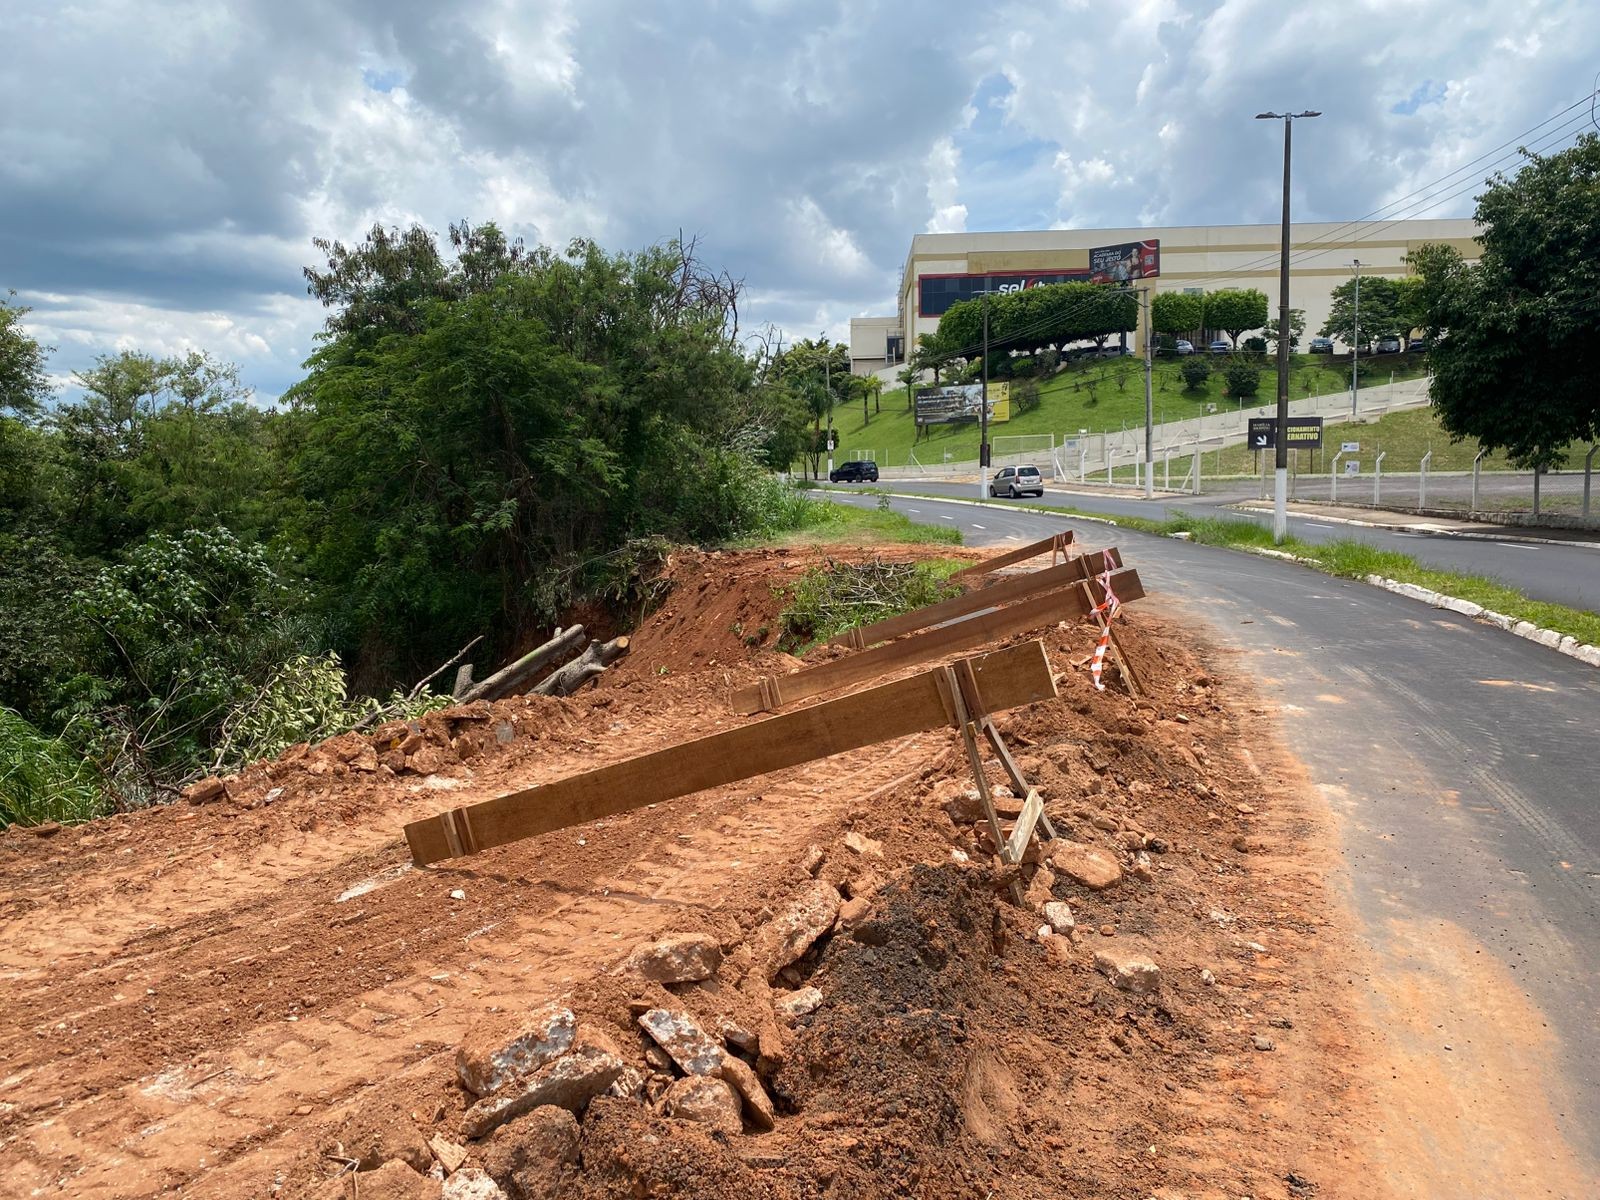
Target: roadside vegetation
x: 836, y: 596
x: 486, y: 436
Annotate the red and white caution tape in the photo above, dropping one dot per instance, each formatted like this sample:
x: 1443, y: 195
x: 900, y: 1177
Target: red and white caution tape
x: 1110, y: 606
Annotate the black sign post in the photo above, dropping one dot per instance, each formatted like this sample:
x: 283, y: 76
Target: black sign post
x: 1263, y: 433
x: 1302, y: 433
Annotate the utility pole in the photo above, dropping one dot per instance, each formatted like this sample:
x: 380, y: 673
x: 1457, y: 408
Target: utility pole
x: 1149, y: 406
x: 983, y: 406
x: 1355, y: 345
x: 827, y: 387
x: 1280, y: 487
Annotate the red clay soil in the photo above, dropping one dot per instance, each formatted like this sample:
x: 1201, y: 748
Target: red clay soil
x: 223, y: 999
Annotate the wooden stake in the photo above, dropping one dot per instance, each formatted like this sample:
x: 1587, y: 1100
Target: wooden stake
x: 774, y: 691
x: 1009, y: 678
x: 1055, y: 544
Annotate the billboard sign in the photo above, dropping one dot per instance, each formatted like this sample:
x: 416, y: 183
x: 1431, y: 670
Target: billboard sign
x: 1125, y: 263
x: 937, y: 292
x: 960, y: 403
x: 1301, y: 433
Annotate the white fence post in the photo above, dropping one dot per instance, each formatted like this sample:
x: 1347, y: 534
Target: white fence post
x: 1377, y: 478
x: 1477, y: 465
x: 1422, y: 481
x: 1588, y: 477
x: 1333, y: 479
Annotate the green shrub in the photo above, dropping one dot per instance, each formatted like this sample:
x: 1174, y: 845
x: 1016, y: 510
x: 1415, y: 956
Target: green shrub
x: 1195, y: 372
x: 827, y: 600
x: 42, y: 779
x: 1255, y: 345
x: 1243, y: 380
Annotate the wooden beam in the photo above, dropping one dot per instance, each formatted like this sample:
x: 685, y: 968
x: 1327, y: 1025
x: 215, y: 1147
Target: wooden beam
x: 1058, y: 541
x: 1002, y: 591
x: 1066, y: 604
x: 1012, y: 677
x: 1022, y: 831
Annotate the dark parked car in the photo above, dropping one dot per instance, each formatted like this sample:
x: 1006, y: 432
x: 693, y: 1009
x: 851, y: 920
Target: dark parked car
x: 854, y: 472
x: 1321, y: 345
x: 1389, y: 345
x: 1017, y: 481
x: 1418, y: 344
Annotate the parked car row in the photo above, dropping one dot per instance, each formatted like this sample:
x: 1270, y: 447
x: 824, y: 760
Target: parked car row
x: 1388, y: 344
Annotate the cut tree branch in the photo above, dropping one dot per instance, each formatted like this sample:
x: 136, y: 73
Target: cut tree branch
x: 585, y: 667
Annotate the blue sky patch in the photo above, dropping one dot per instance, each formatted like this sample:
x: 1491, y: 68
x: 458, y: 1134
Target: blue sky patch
x: 1426, y: 92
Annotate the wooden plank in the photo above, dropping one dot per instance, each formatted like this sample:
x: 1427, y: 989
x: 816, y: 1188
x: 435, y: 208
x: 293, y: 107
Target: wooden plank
x: 1057, y: 541
x: 1011, y: 677
x: 775, y: 691
x: 1022, y: 831
x: 1019, y: 785
x: 1002, y: 591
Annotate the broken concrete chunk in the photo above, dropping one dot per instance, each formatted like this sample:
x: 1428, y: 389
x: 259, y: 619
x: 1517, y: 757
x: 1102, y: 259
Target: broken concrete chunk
x: 863, y: 845
x: 709, y: 1102
x: 1089, y: 865
x: 798, y: 1004
x: 491, y: 1055
x: 680, y: 1035
x: 569, y: 1082
x: 677, y: 958
x: 812, y: 862
x: 1060, y: 917
x: 629, y: 1085
x: 737, y: 1073
x: 1039, y: 893
x: 1136, y: 975
x: 471, y: 1184
x: 737, y: 1036
x: 791, y: 933
x: 449, y: 1154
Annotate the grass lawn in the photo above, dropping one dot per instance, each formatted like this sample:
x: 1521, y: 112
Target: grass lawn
x: 820, y: 521
x: 1098, y: 395
x: 1404, y: 437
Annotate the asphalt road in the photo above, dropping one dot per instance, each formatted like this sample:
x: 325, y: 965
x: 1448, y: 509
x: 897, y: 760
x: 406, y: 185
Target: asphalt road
x: 1460, y: 763
x: 1562, y: 574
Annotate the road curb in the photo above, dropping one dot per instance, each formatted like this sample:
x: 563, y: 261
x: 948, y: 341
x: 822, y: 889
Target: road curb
x: 1430, y: 530
x: 1561, y: 643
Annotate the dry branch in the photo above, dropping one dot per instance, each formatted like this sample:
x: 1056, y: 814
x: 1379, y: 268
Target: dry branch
x: 585, y: 667
x: 563, y: 645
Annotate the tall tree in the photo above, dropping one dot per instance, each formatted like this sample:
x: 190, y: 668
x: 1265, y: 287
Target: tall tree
x: 1177, y: 313
x: 1517, y: 363
x: 24, y: 386
x: 1235, y: 310
x: 1297, y: 327
x: 1379, y: 310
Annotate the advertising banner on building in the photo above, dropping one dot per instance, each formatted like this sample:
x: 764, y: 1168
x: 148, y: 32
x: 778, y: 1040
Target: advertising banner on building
x: 960, y: 403
x: 1125, y: 263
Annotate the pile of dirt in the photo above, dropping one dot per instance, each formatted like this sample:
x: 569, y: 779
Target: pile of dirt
x: 261, y: 982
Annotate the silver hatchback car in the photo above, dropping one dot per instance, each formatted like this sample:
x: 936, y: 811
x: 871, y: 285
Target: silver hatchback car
x: 1017, y: 481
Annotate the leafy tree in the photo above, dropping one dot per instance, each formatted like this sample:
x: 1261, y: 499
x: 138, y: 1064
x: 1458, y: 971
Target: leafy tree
x: 1297, y: 327
x: 1409, y: 311
x: 1379, y: 311
x: 1234, y: 310
x: 1516, y: 363
x: 24, y: 386
x: 1177, y: 313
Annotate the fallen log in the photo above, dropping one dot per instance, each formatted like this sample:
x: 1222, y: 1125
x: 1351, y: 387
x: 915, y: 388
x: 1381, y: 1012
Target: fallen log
x: 503, y: 682
x: 585, y: 667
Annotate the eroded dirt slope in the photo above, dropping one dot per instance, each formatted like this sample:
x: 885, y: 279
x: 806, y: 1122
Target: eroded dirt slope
x: 206, y: 998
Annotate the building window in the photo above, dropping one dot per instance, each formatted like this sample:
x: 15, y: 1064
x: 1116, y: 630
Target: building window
x: 895, y: 351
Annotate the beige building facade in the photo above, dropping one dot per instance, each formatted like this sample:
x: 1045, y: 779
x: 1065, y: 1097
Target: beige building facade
x: 942, y: 268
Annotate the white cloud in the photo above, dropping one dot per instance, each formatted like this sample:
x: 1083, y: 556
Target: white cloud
x: 944, y: 186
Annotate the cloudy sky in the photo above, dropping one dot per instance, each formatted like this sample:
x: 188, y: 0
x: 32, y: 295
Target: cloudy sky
x: 164, y: 165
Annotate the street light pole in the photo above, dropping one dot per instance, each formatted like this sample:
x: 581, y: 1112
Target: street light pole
x: 1280, y: 487
x: 1355, y: 346
x: 1149, y: 405
x: 827, y: 388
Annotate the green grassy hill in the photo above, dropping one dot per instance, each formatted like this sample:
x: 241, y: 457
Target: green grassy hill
x: 1100, y: 396
x: 1404, y: 437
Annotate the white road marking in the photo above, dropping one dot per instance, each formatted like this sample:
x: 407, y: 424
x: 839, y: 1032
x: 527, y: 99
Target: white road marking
x: 947, y: 516
x: 977, y: 526
x: 1313, y: 524
x: 1516, y: 546
x: 919, y: 511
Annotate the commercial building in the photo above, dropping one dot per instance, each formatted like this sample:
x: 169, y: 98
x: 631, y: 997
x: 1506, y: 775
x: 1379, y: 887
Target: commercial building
x: 945, y: 267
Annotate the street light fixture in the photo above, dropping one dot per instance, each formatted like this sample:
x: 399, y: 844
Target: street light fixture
x: 1280, y: 486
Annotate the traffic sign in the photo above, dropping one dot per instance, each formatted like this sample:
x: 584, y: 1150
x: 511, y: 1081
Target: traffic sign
x: 1263, y: 433
x: 1352, y: 466
x: 1350, y: 447
x: 1303, y: 433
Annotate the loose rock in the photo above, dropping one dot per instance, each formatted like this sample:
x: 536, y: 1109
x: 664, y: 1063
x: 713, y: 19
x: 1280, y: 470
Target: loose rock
x: 529, y: 1154
x: 1262, y: 1042
x: 791, y: 933
x: 798, y: 1004
x: 863, y: 845
x: 1060, y: 917
x: 737, y: 1073
x: 450, y: 1155
x: 680, y: 1035
x: 205, y: 791
x: 471, y: 1184
x: 378, y: 1131
x: 1136, y: 975
x: 490, y: 1056
x: 677, y: 958
x: 710, y: 1102
x: 1091, y: 866
x: 569, y: 1082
